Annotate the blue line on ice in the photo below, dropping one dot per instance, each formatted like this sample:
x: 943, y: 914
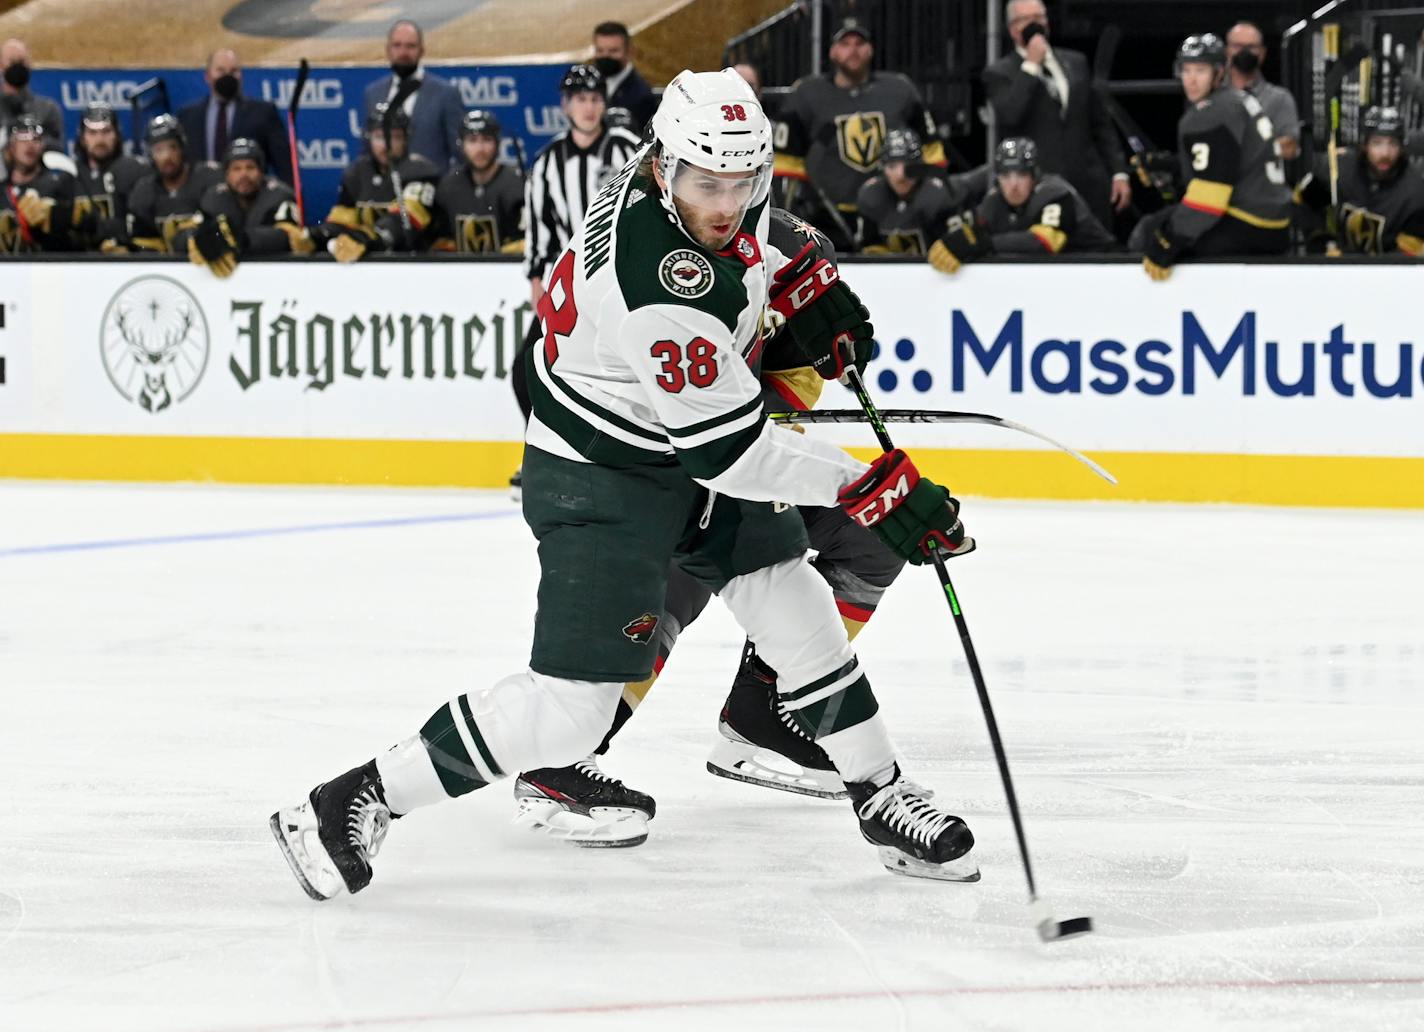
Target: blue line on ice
x: 253, y: 532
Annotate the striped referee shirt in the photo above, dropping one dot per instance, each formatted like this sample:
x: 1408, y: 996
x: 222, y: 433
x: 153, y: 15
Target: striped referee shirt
x: 560, y: 186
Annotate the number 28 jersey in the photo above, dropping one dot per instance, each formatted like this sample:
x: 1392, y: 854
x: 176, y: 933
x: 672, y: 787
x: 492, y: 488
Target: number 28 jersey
x: 650, y: 349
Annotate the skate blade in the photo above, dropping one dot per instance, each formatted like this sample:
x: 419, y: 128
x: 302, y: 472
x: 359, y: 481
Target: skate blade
x: 738, y: 762
x: 605, y: 827
x: 961, y: 869
x: 287, y: 822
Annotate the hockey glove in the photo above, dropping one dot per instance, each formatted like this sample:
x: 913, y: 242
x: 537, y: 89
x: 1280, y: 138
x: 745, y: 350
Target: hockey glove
x: 967, y: 239
x: 213, y: 244
x: 824, y: 316
x: 1161, y: 254
x: 299, y: 240
x: 346, y: 248
x: 905, y: 510
x: 35, y: 210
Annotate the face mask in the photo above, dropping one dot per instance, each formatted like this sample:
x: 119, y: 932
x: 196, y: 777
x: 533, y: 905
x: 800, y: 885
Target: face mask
x: 18, y: 75
x: 225, y: 86
x: 609, y: 66
x: 1246, y: 61
x: 403, y: 69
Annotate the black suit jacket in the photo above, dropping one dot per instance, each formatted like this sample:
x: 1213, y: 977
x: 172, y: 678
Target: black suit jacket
x: 1079, y: 143
x: 636, y: 97
x: 255, y: 119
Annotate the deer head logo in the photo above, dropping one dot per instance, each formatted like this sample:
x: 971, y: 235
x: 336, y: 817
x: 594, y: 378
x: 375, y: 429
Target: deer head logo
x: 154, y: 342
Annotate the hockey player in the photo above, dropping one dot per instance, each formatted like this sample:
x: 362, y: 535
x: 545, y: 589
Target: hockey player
x: 165, y: 202
x: 106, y: 176
x: 907, y: 206
x: 1236, y: 201
x: 648, y: 443
x: 36, y: 202
x: 249, y: 212
x: 759, y: 742
x: 479, y: 208
x: 1381, y: 205
x: 1025, y: 213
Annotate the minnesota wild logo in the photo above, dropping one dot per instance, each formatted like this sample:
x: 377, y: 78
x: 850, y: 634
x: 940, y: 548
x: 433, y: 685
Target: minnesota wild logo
x: 861, y: 137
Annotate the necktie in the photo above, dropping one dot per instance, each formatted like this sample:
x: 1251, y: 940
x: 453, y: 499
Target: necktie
x: 220, y: 133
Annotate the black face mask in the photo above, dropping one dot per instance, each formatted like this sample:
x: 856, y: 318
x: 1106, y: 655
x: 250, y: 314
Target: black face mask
x: 18, y: 75
x: 1245, y: 61
x: 225, y: 86
x: 609, y: 66
x: 403, y: 69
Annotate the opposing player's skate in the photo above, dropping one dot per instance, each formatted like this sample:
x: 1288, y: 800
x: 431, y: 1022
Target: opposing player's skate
x: 582, y: 805
x: 912, y: 836
x: 329, y: 839
x: 762, y: 744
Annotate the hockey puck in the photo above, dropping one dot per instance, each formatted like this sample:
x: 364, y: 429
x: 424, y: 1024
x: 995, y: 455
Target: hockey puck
x: 1053, y: 931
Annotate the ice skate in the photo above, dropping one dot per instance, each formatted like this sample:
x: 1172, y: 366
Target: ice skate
x: 582, y: 805
x: 330, y: 838
x: 913, y: 837
x: 762, y: 744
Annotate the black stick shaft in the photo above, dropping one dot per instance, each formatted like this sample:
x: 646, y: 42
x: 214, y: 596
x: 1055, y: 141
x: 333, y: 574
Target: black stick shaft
x: 971, y: 657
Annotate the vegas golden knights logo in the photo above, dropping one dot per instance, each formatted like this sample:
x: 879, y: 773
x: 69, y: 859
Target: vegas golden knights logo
x: 477, y: 234
x: 905, y: 241
x: 861, y: 136
x: 1364, y: 230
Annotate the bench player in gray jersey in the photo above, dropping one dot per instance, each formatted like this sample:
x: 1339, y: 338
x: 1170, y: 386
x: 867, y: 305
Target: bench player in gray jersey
x: 104, y: 179
x: 36, y: 202
x: 165, y: 202
x: 1236, y: 201
x: 907, y: 206
x: 479, y: 207
x: 1381, y: 202
x: 648, y: 444
x: 248, y: 213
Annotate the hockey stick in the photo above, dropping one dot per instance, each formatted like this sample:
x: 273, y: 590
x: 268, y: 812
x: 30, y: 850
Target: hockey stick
x: 934, y: 416
x: 1049, y: 929
x: 303, y: 71
x: 136, y: 98
x: 1334, y: 81
x: 407, y: 87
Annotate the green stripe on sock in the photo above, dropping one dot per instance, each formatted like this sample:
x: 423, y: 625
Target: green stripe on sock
x: 853, y: 705
x: 447, y: 752
x: 478, y: 738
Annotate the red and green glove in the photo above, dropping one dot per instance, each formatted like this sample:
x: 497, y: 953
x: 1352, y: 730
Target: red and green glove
x: 905, y: 510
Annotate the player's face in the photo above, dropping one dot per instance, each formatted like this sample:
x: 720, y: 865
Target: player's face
x: 167, y: 158
x: 101, y: 143
x: 481, y: 150
x: 711, y: 204
x: 1198, y: 78
x: 897, y: 174
x: 378, y: 145
x: 25, y: 152
x: 1016, y: 187
x: 585, y: 110
x: 244, y: 178
x: 1382, y: 153
x: 851, y: 54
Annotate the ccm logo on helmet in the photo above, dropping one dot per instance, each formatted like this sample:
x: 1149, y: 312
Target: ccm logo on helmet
x: 874, y: 511
x: 807, y: 290
x: 738, y: 153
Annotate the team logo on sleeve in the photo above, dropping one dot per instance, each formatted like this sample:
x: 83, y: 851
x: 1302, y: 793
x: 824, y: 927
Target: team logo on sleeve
x: 640, y: 631
x: 861, y: 137
x: 685, y: 273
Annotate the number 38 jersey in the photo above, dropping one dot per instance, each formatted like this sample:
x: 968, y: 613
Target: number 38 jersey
x: 649, y: 350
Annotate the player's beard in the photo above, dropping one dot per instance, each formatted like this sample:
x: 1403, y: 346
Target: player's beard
x: 712, y: 231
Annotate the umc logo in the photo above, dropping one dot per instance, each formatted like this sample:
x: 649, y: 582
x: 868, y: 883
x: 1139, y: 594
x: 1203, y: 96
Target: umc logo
x: 154, y: 341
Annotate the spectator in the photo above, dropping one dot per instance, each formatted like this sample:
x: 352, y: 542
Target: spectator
x: 36, y: 203
x: 434, y: 110
x: 247, y: 213
x: 1381, y: 205
x: 16, y: 99
x: 1236, y: 201
x: 613, y: 57
x: 225, y: 115
x: 835, y: 127
x: 165, y: 202
x: 1045, y: 93
x: 479, y: 207
x: 1245, y: 53
x: 907, y: 206
x: 105, y: 178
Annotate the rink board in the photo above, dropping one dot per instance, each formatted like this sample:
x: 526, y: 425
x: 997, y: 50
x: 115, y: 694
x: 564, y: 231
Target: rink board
x: 1261, y: 384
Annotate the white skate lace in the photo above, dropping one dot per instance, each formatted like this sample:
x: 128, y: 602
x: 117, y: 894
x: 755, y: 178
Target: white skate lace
x: 589, y: 769
x: 367, y: 821
x: 792, y: 725
x: 907, y: 811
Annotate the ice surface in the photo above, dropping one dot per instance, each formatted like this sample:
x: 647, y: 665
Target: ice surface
x: 1214, y: 716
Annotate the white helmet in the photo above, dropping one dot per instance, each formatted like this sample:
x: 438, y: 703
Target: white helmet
x: 711, y: 122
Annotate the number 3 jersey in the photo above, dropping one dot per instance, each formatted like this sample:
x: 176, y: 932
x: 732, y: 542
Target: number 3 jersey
x: 650, y: 350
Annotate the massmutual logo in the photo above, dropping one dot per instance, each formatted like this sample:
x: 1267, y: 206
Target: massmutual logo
x: 154, y: 341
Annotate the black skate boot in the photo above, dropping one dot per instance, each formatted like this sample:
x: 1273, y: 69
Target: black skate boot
x: 329, y: 839
x: 763, y: 745
x: 913, y: 837
x: 583, y: 805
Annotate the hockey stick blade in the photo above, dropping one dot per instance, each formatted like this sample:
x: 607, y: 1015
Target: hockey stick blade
x: 1343, y: 66
x: 933, y: 416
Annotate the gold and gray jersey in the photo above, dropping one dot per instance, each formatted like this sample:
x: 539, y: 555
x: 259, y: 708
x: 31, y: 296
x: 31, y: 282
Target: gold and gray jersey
x: 101, y: 200
x: 560, y: 186
x: 647, y: 354
x: 1055, y: 218
x: 908, y: 225
x: 1376, y: 216
x: 480, y: 218
x: 18, y: 236
x: 157, y: 214
x: 834, y: 136
x: 1227, y: 147
x: 255, y: 222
